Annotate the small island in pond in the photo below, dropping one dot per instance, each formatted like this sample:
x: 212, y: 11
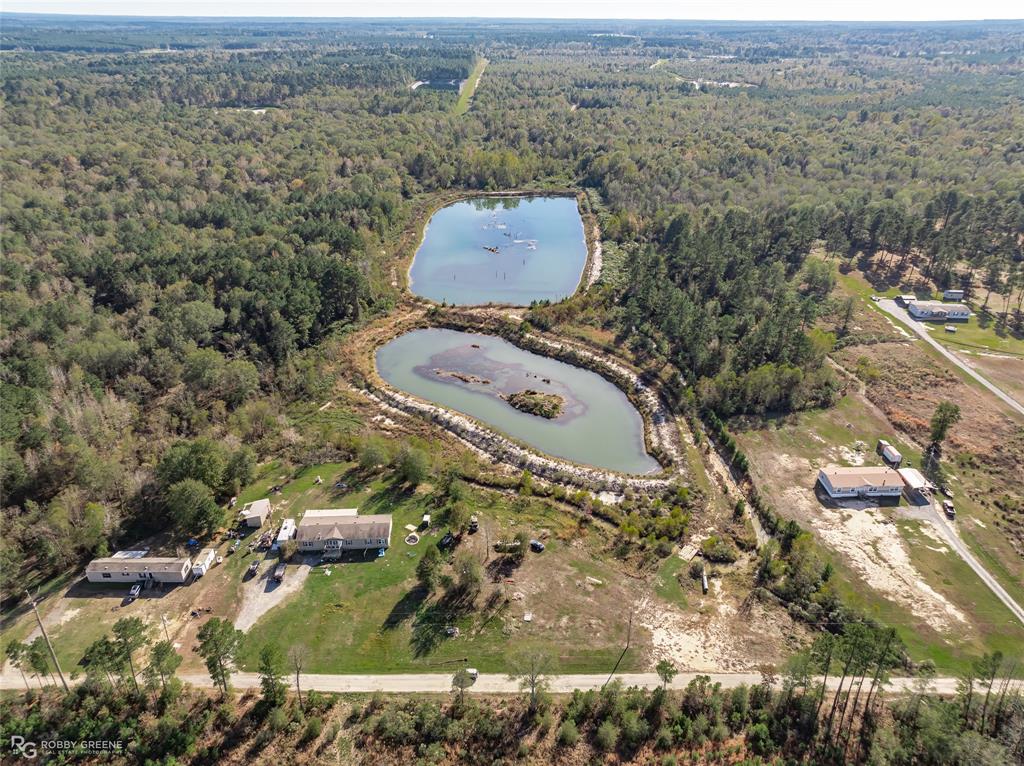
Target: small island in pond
x: 465, y: 377
x: 537, y: 403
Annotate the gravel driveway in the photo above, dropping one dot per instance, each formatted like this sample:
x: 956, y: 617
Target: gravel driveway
x: 261, y: 594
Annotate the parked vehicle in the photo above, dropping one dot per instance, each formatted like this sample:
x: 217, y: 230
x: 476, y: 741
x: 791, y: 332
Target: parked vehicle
x: 253, y: 569
x: 135, y: 591
x: 536, y: 546
x: 473, y: 673
x: 947, y: 506
x: 474, y: 524
x: 447, y: 541
x: 279, y: 571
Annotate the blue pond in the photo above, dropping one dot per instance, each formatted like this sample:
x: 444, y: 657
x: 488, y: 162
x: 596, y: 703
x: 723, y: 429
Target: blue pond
x: 512, y: 250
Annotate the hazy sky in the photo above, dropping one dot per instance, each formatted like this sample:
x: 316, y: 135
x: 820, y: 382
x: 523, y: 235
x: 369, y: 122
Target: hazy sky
x: 839, y: 10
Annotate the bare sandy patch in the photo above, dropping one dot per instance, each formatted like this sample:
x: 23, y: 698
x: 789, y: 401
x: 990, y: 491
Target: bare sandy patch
x: 721, y: 632
x: 876, y: 551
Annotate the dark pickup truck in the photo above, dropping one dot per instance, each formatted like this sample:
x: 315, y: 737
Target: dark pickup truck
x: 279, y: 571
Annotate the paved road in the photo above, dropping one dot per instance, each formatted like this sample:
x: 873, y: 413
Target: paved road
x: 492, y: 683
x: 889, y: 306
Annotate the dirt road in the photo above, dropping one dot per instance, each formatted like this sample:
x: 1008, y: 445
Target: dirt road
x: 889, y: 306
x: 495, y: 683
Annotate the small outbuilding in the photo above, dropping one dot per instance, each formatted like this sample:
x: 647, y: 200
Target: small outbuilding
x: 915, y: 484
x: 286, y: 533
x: 952, y: 295
x: 256, y: 513
x: 203, y: 563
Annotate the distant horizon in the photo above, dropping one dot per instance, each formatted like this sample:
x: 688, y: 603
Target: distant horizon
x: 721, y: 11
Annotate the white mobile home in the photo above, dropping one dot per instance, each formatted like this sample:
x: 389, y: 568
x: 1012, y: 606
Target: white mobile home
x: 860, y: 481
x: 133, y: 569
x: 937, y: 311
x: 952, y: 295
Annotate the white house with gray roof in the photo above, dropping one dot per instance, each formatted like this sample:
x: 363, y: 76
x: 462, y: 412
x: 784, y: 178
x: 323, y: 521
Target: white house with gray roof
x: 334, y: 531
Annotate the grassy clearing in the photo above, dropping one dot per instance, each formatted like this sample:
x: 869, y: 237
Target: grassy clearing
x: 787, y: 453
x: 667, y: 583
x: 466, y: 96
x: 370, y: 616
x: 995, y: 627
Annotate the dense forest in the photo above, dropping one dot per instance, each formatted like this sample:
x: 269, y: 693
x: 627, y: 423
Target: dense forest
x: 194, y: 211
x: 190, y: 210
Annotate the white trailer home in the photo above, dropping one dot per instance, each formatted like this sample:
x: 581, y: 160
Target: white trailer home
x: 937, y: 311
x: 860, y: 482
x: 122, y: 568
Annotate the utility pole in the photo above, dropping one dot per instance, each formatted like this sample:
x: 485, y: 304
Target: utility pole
x: 53, y: 654
x: 629, y: 637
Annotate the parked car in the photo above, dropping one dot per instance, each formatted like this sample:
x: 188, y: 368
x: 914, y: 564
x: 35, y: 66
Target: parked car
x: 474, y: 524
x: 447, y: 541
x: 947, y: 506
x: 253, y: 569
x: 536, y: 546
x: 279, y: 571
x: 135, y: 591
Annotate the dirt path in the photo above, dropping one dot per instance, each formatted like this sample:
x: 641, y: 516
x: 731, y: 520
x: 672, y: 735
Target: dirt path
x: 889, y: 306
x: 497, y: 683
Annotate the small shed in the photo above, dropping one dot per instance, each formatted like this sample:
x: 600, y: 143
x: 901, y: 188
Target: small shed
x: 952, y: 295
x: 254, y: 514
x: 204, y: 562
x: 892, y: 456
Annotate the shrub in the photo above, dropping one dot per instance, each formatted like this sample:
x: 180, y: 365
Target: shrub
x: 568, y: 734
x: 607, y: 736
x: 719, y: 550
x: 759, y: 739
x: 634, y: 730
x: 278, y: 719
x: 664, y: 740
x: 313, y: 728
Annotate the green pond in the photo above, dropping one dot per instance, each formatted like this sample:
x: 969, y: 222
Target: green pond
x: 512, y: 250
x: 472, y: 373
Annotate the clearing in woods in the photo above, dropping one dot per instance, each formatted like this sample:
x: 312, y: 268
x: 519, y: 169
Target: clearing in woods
x: 466, y: 96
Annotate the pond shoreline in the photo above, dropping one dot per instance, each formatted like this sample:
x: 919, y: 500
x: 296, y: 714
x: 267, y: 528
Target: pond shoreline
x: 661, y: 433
x: 591, y: 237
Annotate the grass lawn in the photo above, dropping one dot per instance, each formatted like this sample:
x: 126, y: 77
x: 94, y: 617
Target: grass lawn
x: 667, y: 583
x: 370, y: 616
x: 462, y: 105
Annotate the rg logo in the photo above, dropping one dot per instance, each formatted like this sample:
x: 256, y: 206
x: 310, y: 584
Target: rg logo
x: 21, y: 746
